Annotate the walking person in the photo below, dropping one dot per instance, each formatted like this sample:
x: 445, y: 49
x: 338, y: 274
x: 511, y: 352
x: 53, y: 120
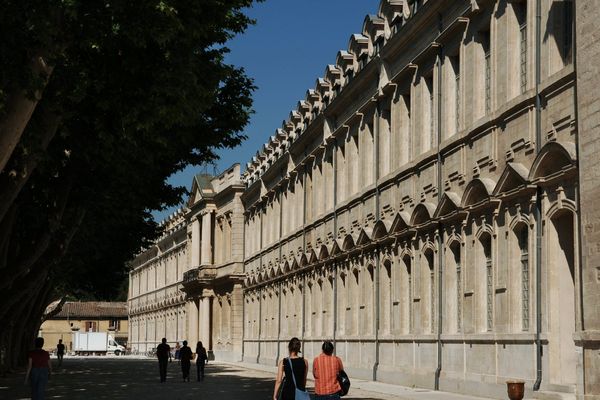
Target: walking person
x: 60, y: 352
x: 177, y: 348
x: 39, y: 369
x: 326, y: 368
x: 298, y: 366
x: 185, y: 356
x: 201, y: 361
x: 163, y: 353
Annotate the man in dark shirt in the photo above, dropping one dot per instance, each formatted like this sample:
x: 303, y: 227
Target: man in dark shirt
x: 60, y: 351
x: 185, y: 355
x: 163, y: 352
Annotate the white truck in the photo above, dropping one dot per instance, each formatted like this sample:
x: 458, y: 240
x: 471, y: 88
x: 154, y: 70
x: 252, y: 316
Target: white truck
x: 95, y: 343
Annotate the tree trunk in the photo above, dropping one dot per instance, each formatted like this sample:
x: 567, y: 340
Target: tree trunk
x: 39, y: 271
x: 6, y: 227
x: 12, y: 185
x: 23, y: 340
x: 31, y: 255
x: 22, y: 291
x: 20, y: 108
x: 31, y: 323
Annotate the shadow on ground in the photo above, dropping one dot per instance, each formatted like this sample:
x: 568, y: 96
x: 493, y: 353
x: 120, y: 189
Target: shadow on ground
x: 123, y: 378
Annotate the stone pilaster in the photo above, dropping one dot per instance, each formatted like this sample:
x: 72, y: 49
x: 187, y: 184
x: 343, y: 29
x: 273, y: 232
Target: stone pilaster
x: 588, y: 106
x: 206, y: 243
x: 195, y: 250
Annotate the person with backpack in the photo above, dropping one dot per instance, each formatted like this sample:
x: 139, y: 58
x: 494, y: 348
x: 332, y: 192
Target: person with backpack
x: 326, y: 369
x: 201, y: 360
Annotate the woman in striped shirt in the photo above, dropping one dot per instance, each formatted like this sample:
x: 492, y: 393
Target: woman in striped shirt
x: 326, y: 367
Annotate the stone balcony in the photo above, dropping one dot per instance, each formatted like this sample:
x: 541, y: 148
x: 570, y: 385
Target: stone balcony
x: 199, y: 277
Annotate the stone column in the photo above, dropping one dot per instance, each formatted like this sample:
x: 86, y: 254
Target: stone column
x: 205, y: 304
x: 195, y: 243
x: 206, y: 251
x: 192, y: 331
x: 588, y: 131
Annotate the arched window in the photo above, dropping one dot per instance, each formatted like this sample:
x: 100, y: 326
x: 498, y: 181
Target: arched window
x: 342, y: 301
x: 486, y: 244
x: 522, y: 234
x: 430, y: 292
x: 456, y: 256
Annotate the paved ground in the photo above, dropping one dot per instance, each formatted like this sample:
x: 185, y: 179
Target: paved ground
x: 129, y: 378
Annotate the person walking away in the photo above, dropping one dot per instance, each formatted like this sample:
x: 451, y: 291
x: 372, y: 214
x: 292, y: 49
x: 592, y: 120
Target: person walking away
x: 163, y: 352
x: 326, y: 367
x: 39, y: 369
x: 185, y: 355
x: 177, y: 348
x: 300, y: 370
x: 60, y: 352
x: 201, y: 361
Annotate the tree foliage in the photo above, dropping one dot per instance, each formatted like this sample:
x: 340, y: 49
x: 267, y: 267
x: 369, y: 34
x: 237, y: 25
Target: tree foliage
x: 100, y: 102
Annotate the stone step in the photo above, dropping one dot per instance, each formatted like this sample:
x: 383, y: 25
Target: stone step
x: 547, y: 395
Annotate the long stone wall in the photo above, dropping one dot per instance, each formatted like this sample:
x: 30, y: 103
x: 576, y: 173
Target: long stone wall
x: 420, y: 207
x: 419, y: 200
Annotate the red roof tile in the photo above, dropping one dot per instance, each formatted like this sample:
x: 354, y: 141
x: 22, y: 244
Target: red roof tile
x: 93, y: 309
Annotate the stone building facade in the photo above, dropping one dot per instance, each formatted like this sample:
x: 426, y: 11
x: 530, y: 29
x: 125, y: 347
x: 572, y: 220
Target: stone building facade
x: 188, y: 286
x: 422, y: 207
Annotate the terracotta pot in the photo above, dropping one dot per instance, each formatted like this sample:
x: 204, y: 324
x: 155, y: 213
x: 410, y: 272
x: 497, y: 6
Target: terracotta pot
x: 515, y: 389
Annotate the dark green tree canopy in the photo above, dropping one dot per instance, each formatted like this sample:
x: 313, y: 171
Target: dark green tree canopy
x: 100, y: 102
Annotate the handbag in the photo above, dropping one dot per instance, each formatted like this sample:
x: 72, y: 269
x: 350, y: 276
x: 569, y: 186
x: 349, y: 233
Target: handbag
x: 344, y: 382
x: 280, y: 390
x: 298, y: 394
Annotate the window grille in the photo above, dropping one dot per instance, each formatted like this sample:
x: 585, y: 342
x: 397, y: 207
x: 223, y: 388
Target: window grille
x: 489, y: 283
x: 523, y: 55
x: 410, y: 296
x: 431, y: 119
x: 487, y: 71
x: 456, y: 67
x: 432, y: 298
x: 521, y: 13
x: 490, y: 297
x: 429, y: 88
x: 488, y: 83
x: 523, y: 244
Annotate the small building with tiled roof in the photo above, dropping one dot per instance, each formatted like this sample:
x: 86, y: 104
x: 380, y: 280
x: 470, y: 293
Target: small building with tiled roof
x: 85, y: 316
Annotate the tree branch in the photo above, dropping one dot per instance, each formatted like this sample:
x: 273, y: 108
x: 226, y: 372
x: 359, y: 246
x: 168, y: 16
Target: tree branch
x: 20, y: 109
x: 12, y: 185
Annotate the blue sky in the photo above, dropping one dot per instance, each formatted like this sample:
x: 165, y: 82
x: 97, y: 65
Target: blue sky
x: 285, y: 52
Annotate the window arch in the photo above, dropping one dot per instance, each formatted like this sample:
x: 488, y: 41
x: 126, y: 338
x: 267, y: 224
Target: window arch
x: 385, y: 295
x: 487, y: 283
x: 521, y: 232
x: 455, y: 295
x: 429, y: 311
